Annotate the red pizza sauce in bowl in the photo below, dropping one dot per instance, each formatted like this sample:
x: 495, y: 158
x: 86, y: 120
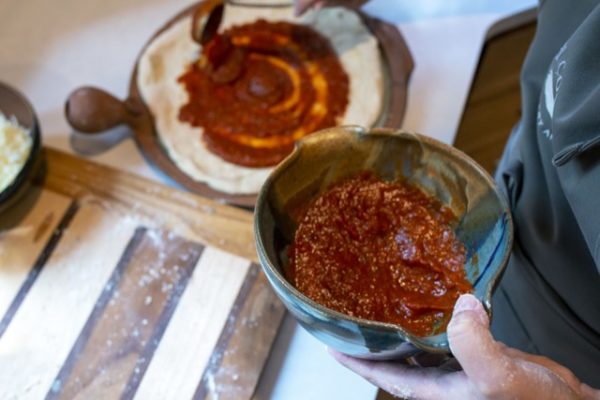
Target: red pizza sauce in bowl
x: 381, y: 251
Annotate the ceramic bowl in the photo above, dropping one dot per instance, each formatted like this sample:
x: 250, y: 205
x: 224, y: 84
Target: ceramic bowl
x: 323, y: 158
x: 13, y: 103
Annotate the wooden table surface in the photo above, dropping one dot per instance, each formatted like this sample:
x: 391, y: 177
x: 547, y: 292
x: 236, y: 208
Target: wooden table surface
x: 115, y: 286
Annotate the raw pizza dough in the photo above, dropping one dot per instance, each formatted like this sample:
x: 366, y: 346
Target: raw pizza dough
x: 167, y: 57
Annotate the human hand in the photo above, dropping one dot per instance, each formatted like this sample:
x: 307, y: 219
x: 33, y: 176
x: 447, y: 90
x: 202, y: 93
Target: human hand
x: 490, y: 370
x: 300, y: 6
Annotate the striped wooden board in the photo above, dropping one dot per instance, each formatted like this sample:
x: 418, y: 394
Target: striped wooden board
x: 112, y: 286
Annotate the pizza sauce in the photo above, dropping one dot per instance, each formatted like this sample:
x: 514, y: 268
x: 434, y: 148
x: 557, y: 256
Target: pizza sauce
x: 260, y: 87
x: 382, y: 251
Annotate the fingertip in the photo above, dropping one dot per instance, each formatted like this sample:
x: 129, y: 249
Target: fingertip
x: 468, y: 306
x: 468, y: 326
x: 472, y: 343
x: 466, y: 301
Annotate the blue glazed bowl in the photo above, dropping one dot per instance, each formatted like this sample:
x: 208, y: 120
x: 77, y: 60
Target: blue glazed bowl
x: 323, y: 158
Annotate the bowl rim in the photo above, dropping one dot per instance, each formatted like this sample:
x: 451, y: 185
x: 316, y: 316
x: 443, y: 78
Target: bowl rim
x: 13, y: 187
x: 359, y: 132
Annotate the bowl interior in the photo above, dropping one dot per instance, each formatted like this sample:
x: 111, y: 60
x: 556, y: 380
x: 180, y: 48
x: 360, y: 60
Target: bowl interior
x: 14, y: 104
x: 321, y: 159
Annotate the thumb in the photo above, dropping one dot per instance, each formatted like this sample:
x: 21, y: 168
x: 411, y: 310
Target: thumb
x: 481, y: 357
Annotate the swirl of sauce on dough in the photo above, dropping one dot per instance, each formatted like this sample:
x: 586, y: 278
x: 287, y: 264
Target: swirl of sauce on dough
x: 266, y: 85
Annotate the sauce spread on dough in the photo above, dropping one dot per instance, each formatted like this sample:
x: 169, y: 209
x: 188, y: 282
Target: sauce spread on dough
x: 383, y: 251
x: 262, y: 86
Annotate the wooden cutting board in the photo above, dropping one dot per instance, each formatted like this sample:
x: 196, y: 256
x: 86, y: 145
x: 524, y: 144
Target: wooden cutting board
x: 113, y: 286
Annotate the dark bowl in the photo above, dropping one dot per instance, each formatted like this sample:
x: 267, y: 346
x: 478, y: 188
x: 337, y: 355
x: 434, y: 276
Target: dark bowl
x: 13, y: 103
x: 323, y: 158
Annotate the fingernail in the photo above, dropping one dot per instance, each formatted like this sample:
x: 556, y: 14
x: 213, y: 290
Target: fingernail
x: 466, y: 302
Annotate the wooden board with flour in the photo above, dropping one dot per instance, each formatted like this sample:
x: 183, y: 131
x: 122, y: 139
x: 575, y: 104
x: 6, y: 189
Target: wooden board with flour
x: 113, y: 286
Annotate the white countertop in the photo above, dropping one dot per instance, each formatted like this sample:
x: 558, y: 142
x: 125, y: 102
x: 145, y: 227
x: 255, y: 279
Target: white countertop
x: 49, y: 48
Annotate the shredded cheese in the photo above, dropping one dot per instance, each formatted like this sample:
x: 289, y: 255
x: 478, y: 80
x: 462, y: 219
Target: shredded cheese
x: 15, y: 146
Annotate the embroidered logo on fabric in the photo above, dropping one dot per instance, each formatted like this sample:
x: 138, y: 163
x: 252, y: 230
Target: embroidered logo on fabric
x: 550, y: 93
